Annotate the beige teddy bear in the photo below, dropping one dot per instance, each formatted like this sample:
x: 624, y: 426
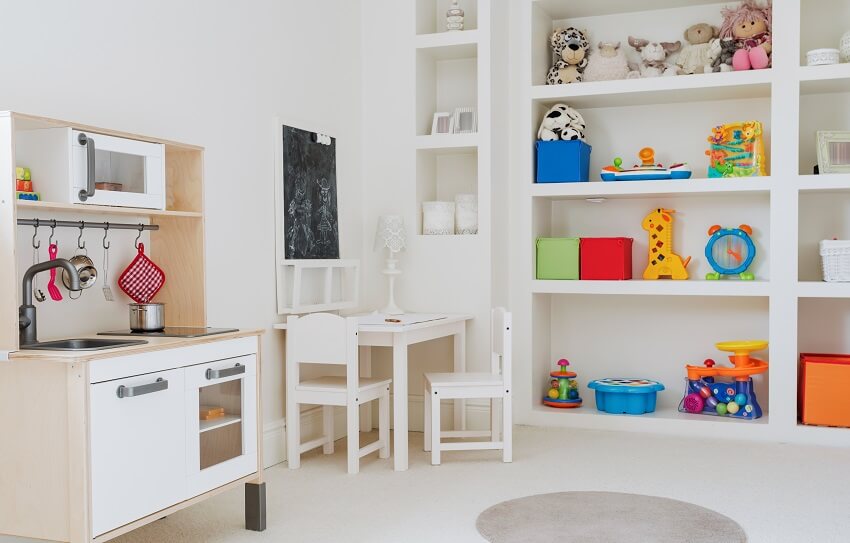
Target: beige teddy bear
x: 701, y: 49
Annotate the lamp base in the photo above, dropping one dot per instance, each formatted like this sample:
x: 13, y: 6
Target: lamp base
x: 391, y: 272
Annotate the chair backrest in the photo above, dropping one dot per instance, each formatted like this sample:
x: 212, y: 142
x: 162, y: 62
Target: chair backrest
x: 322, y: 338
x: 500, y: 343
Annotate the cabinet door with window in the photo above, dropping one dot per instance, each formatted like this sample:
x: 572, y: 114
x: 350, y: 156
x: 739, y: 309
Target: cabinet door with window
x: 221, y: 422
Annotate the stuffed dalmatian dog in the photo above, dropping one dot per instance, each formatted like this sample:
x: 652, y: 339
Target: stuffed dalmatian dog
x: 570, y: 46
x: 561, y: 122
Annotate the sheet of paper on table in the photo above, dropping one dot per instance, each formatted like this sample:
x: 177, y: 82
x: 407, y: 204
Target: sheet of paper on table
x: 407, y: 318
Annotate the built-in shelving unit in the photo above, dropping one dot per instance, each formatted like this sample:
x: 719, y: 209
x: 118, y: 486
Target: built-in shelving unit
x: 652, y: 329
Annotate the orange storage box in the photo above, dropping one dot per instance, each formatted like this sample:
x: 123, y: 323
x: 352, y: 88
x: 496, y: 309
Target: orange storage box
x: 825, y: 389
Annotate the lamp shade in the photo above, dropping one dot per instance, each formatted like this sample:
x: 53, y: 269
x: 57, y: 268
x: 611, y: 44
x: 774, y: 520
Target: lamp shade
x: 390, y: 233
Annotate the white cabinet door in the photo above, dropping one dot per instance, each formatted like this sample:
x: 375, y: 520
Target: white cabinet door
x: 138, y: 447
x: 224, y: 447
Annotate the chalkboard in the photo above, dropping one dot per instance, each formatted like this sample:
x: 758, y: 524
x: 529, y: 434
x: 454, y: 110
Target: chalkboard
x: 310, y: 218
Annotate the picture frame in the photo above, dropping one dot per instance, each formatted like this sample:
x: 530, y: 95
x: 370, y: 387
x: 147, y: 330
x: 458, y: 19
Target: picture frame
x: 833, y: 151
x: 464, y: 120
x: 443, y: 123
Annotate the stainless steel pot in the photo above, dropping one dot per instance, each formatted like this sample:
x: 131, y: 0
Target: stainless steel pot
x: 147, y: 317
x: 85, y: 269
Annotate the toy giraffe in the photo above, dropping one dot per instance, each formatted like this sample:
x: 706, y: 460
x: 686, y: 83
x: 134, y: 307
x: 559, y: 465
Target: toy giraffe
x: 663, y: 262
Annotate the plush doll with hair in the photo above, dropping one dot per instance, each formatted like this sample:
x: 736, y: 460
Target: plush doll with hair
x: 749, y: 25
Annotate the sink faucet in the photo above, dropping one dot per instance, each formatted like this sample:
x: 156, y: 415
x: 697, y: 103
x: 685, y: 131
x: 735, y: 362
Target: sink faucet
x: 26, y: 313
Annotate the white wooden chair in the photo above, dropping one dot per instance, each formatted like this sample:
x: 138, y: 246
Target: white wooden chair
x: 322, y: 338
x: 495, y: 385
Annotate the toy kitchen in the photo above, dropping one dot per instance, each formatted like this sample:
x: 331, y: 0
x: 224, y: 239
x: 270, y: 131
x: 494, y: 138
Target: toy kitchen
x: 121, y: 405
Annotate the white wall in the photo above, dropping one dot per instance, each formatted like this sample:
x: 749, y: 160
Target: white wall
x: 210, y: 73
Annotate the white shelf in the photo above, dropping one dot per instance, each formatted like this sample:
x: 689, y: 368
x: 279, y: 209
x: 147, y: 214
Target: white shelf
x: 559, y: 9
x: 822, y: 289
x: 668, y: 287
x: 227, y: 420
x: 658, y: 90
x: 649, y: 189
x: 824, y: 79
x: 448, y: 143
x: 449, y: 45
x: 831, y: 182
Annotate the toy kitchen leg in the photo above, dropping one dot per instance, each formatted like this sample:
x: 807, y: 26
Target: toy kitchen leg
x: 255, y: 506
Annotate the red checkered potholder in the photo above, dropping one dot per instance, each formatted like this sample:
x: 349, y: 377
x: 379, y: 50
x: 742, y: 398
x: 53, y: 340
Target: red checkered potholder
x: 142, y: 279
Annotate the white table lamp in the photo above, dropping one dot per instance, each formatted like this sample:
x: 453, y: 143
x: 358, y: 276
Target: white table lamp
x: 390, y: 235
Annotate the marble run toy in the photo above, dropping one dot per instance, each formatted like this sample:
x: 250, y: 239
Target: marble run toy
x: 646, y: 171
x: 736, y: 398
x: 663, y: 262
x: 563, y: 391
x: 737, y: 150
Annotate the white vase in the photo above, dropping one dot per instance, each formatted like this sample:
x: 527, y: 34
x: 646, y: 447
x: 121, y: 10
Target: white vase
x: 466, y: 214
x: 845, y: 47
x: 438, y: 218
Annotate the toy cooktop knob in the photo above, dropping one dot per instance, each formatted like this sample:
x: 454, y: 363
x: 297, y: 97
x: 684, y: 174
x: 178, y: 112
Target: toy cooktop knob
x: 709, y: 363
x: 647, y: 156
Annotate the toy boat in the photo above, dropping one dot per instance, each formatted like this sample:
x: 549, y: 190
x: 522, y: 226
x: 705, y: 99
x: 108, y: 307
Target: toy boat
x: 647, y: 171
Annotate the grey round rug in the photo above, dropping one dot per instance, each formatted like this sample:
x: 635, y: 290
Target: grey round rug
x: 609, y: 517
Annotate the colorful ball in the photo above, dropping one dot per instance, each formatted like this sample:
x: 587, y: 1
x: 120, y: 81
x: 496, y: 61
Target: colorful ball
x: 553, y: 393
x: 721, y: 408
x: 573, y: 394
x: 694, y: 403
x: 741, y: 399
x: 732, y: 408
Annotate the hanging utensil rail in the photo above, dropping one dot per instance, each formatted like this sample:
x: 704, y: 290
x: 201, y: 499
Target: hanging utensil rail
x: 52, y: 223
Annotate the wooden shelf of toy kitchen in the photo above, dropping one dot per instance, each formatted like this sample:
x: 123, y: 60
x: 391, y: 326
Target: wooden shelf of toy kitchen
x: 29, y: 205
x: 657, y: 90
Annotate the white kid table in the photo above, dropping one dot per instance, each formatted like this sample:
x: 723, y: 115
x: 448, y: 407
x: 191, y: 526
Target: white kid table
x: 375, y: 331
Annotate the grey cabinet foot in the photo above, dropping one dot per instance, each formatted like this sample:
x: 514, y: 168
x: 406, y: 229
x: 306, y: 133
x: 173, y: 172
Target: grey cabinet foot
x: 255, y: 506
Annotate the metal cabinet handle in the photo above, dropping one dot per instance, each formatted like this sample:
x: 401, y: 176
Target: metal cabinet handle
x: 90, y: 156
x: 156, y: 386
x: 227, y: 372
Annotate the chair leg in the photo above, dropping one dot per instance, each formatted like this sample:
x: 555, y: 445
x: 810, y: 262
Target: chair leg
x: 293, y: 433
x: 384, y: 424
x: 507, y: 429
x: 435, y: 428
x: 426, y: 409
x: 353, y: 418
x: 495, y: 419
x: 328, y: 428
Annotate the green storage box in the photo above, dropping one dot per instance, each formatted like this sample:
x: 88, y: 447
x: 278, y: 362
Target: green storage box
x: 557, y: 258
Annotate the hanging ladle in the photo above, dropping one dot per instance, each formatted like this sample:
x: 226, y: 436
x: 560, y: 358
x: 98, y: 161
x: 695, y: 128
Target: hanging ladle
x: 107, y: 292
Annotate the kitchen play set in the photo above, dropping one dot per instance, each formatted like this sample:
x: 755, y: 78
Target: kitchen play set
x: 704, y: 394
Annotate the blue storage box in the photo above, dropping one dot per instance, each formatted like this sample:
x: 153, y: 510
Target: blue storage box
x: 629, y: 396
x: 563, y: 161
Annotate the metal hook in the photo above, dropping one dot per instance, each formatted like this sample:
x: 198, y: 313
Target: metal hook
x: 34, y: 235
x: 80, y: 243
x: 105, y: 233
x: 141, y: 228
x: 52, y: 231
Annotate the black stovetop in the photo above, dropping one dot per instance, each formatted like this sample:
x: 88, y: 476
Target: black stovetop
x: 172, y: 331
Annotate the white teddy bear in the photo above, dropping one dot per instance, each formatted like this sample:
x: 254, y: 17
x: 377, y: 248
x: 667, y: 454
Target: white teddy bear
x: 561, y: 122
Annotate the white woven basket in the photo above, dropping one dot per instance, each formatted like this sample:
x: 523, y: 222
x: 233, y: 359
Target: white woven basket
x: 835, y: 260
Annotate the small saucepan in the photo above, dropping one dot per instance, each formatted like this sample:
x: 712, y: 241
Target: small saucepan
x: 148, y: 317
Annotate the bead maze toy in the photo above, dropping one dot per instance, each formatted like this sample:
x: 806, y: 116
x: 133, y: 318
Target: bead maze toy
x: 563, y: 391
x: 737, y: 398
x: 647, y: 170
x: 625, y: 396
x: 730, y: 251
x: 663, y: 262
x: 737, y: 150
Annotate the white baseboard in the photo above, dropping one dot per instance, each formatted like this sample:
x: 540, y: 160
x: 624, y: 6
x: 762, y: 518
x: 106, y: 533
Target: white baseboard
x: 274, y: 432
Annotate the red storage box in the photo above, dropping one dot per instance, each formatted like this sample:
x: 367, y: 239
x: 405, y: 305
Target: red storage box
x: 606, y: 258
x: 824, y: 386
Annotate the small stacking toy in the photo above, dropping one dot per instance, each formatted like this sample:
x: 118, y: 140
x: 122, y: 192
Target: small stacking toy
x: 563, y: 391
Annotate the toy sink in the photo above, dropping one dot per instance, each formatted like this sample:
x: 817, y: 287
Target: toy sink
x: 629, y: 396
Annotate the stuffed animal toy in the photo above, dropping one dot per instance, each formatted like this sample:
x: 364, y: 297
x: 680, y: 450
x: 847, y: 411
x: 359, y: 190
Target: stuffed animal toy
x: 570, y: 46
x: 653, y: 57
x: 723, y: 62
x: 750, y: 26
x: 607, y: 63
x: 700, y: 50
x: 561, y: 122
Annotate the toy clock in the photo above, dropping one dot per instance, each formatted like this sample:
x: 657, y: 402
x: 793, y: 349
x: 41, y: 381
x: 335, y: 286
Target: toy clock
x: 730, y: 251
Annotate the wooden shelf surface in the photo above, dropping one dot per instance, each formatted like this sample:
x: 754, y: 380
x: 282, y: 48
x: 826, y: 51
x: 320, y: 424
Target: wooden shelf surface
x: 103, y: 210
